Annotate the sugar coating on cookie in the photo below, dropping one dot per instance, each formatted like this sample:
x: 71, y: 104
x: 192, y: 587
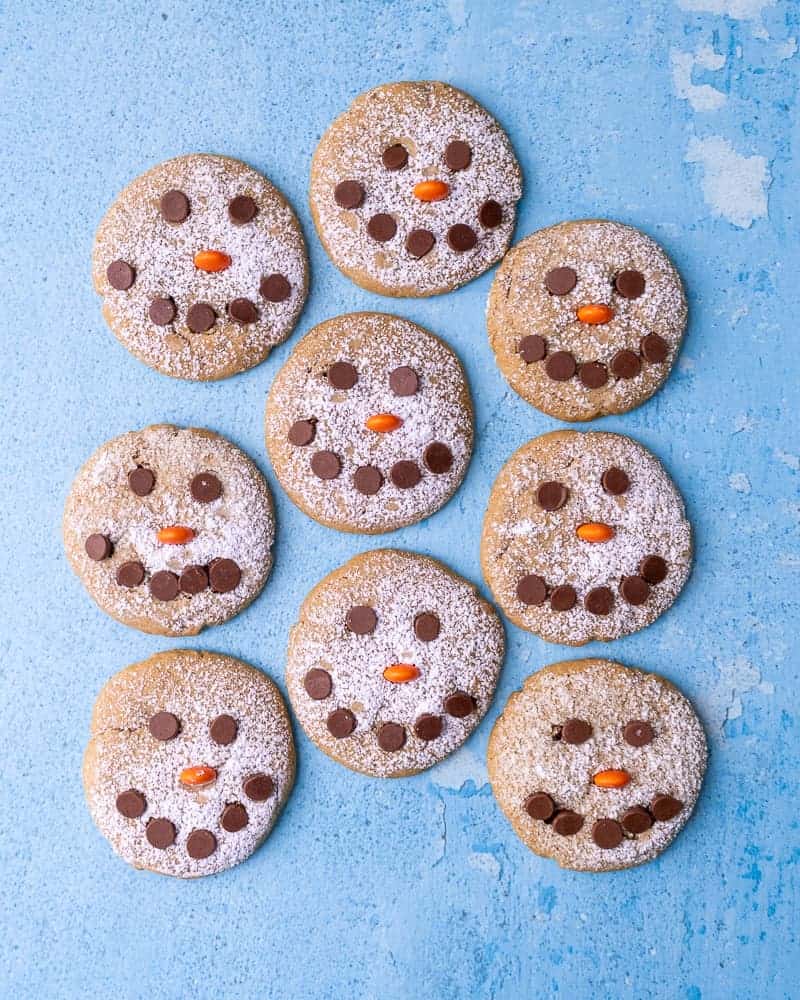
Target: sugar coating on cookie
x: 369, y: 423
x: 189, y: 763
x: 393, y: 662
x: 414, y: 189
x: 202, y: 267
x: 585, y: 537
x: 586, y: 318
x: 170, y: 529
x: 596, y: 765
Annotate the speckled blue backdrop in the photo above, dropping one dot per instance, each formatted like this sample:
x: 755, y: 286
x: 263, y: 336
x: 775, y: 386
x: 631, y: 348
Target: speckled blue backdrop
x: 678, y: 117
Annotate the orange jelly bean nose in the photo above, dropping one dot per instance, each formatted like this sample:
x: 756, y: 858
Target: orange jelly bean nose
x: 595, y: 313
x: 211, y: 261
x: 383, y: 422
x: 594, y: 531
x: 431, y: 190
x: 611, y: 779
x: 175, y: 534
x: 197, y: 776
x: 401, y: 673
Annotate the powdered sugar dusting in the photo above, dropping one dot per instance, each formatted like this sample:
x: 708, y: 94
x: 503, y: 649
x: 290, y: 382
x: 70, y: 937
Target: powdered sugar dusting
x: 424, y: 117
x: 466, y: 656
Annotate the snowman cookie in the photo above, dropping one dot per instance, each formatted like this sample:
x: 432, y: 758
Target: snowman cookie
x: 393, y: 662
x: 170, y: 529
x: 369, y: 423
x: 202, y: 267
x: 585, y: 537
x: 596, y: 765
x: 414, y: 189
x: 189, y: 763
x: 586, y: 318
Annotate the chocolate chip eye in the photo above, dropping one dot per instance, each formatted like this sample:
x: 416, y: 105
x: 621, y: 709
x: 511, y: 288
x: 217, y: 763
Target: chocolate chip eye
x: 141, y: 481
x: 427, y: 626
x: 242, y: 209
x: 361, y: 619
x: 223, y: 730
x: 205, y: 487
x: 164, y: 726
x: 615, y: 481
x: 560, y: 280
x: 638, y: 733
x: 629, y: 284
x: 552, y: 495
x: 575, y: 731
x: 174, y: 206
x: 395, y: 157
x: 458, y: 155
x: 342, y: 375
x: 404, y: 381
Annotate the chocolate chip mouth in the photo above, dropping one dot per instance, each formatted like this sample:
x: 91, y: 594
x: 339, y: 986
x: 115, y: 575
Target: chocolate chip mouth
x: 561, y: 366
x: 405, y: 474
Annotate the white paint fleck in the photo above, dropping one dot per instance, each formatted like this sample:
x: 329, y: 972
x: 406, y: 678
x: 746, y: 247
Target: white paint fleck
x: 737, y: 677
x: 741, y: 10
x: 686, y: 364
x: 702, y: 97
x: 790, y: 559
x: 739, y: 482
x: 739, y: 314
x: 793, y: 461
x: 486, y: 862
x: 459, y: 768
x: 742, y: 422
x: 785, y: 50
x: 734, y: 185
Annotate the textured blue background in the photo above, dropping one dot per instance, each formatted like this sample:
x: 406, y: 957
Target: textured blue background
x: 676, y: 117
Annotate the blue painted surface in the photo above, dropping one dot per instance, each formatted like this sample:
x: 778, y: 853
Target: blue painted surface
x: 414, y: 888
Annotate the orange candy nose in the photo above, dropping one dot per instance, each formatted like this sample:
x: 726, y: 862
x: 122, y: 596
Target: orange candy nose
x: 611, y: 779
x: 383, y: 422
x: 197, y: 776
x: 211, y: 260
x: 431, y: 190
x: 175, y: 534
x: 595, y: 313
x: 594, y: 531
x: 401, y: 673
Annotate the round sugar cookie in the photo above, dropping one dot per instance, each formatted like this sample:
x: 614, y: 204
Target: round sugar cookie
x: 596, y: 765
x: 369, y: 423
x: 170, y: 529
x: 393, y: 662
x: 190, y: 762
x: 585, y: 537
x: 414, y: 189
x: 202, y: 267
x: 586, y: 318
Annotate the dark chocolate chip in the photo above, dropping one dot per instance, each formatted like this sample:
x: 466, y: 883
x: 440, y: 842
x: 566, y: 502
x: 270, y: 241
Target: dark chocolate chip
x: 302, y: 432
x: 200, y: 317
x: 367, y: 480
x: 438, y: 458
x: 615, y: 481
x: 638, y: 732
x: 164, y: 585
x: 223, y: 730
x: 391, y: 737
x: 563, y: 598
x: 164, y: 726
x: 552, y: 495
x: 317, y: 683
x: 532, y: 348
x: 629, y: 284
x: 342, y: 375
x: 459, y: 704
x: 348, y: 194
x: 243, y: 311
x: 174, y: 206
x: 242, y: 209
x: 636, y: 820
x: 130, y: 574
x: 539, y: 806
x: 131, y: 803
x: 325, y: 464
x: 395, y: 157
x: 234, y: 817
x: 490, y: 214
x: 531, y: 589
x: 665, y: 807
x: 361, y: 619
x: 560, y: 280
x: 224, y: 575
x: 341, y: 723
x: 405, y: 475
x: 593, y: 374
x: 404, y: 381
x: 457, y: 155
x: 599, y: 601
x: 420, y: 242
x: 160, y: 833
x: 162, y: 311
x: 98, y: 547
x: 654, y: 348
x: 275, y: 288
x: 567, y: 823
x: 141, y: 481
x: 205, y: 487
x: 120, y: 275
x: 653, y: 569
x: 258, y: 787
x: 193, y: 580
x: 427, y: 626
x: 381, y: 227
x: 461, y: 238
x: 635, y: 590
x: 428, y: 727
x: 607, y: 833
x: 576, y: 731
x: 560, y: 366
x: 201, y: 844
x: 626, y: 364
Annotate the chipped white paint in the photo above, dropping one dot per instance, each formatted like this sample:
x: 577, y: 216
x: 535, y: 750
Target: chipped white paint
x: 743, y: 422
x: 739, y: 482
x: 484, y: 861
x: 459, y: 768
x: 734, y: 185
x: 785, y: 50
x: 737, y: 677
x: 741, y: 10
x: 793, y: 461
x: 702, y: 96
